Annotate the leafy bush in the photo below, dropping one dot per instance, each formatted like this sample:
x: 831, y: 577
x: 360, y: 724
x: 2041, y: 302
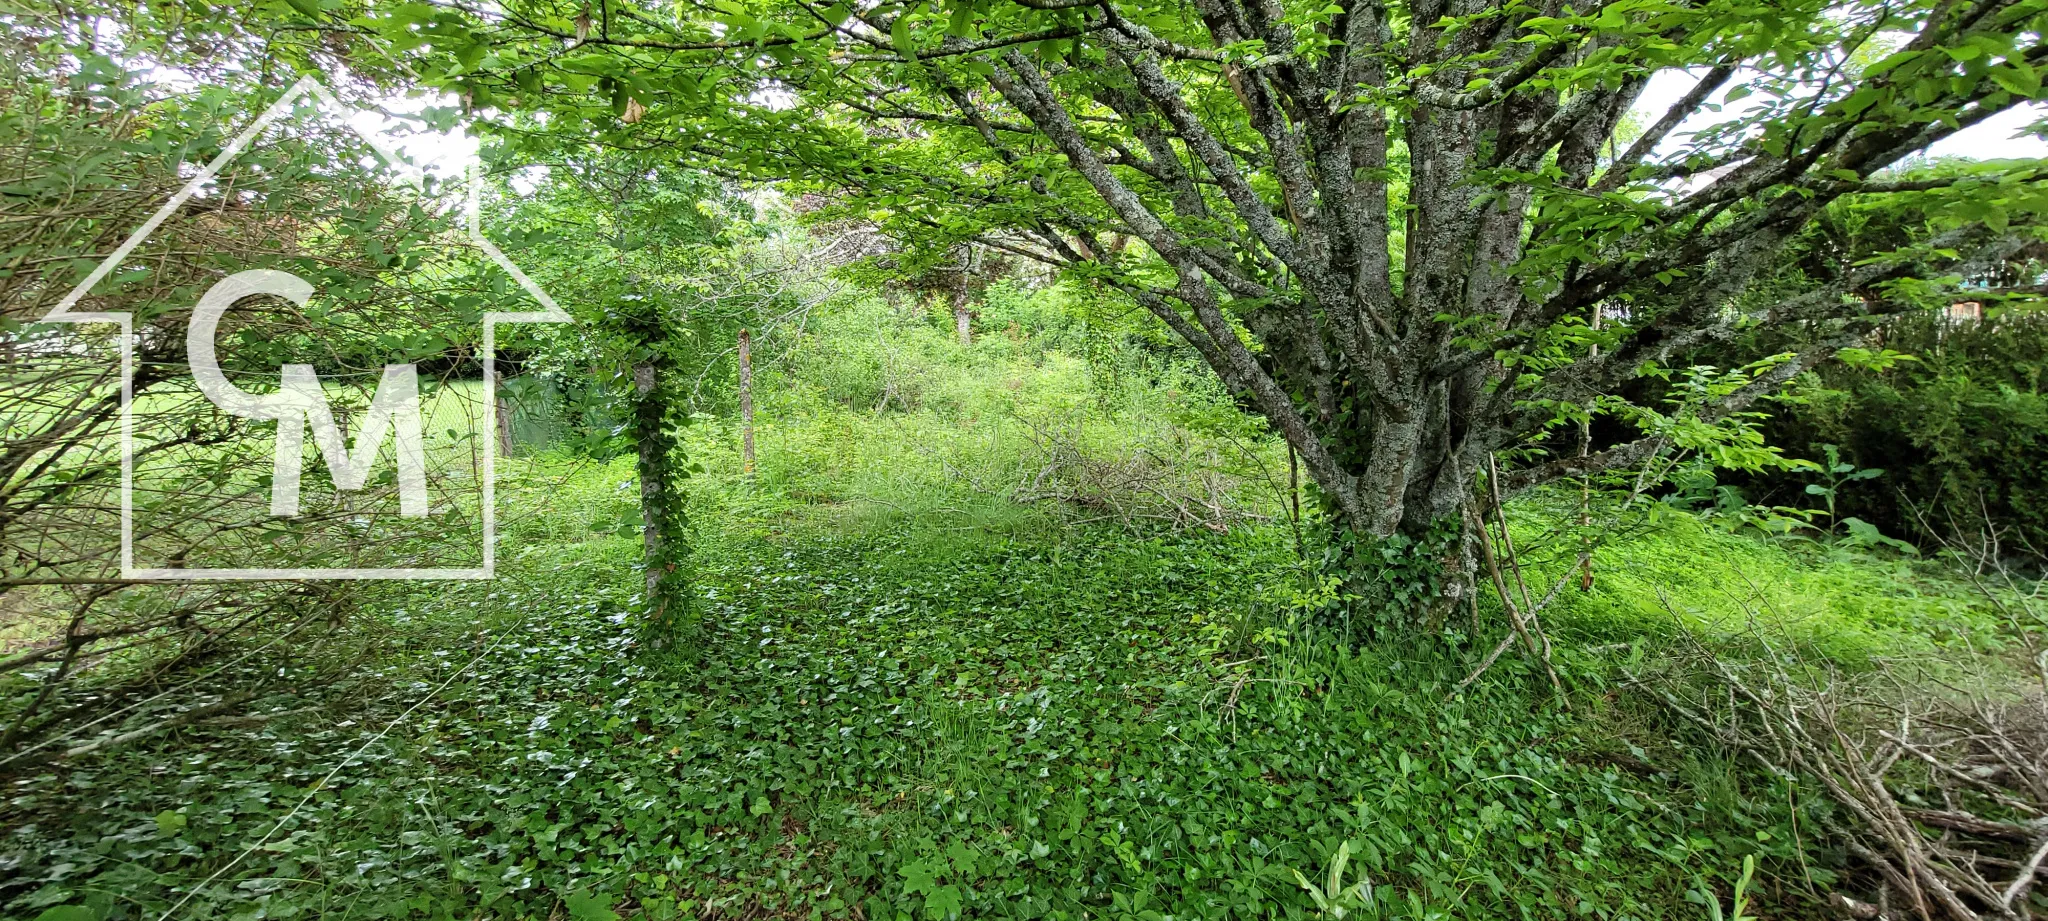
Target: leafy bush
x: 1961, y: 430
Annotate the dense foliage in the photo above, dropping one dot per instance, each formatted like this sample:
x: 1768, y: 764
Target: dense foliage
x: 1410, y: 235
x: 914, y: 698
x: 1003, y: 454
x: 1957, y: 430
x: 1023, y: 728
x: 94, y: 149
x: 1945, y: 403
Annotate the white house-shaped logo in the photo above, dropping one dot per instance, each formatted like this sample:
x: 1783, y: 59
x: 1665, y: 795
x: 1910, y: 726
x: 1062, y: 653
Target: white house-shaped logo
x: 300, y: 403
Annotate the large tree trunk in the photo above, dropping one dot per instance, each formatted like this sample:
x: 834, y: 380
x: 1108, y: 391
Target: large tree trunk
x: 1418, y: 513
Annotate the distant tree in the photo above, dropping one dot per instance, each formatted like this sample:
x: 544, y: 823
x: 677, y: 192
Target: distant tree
x: 1386, y: 224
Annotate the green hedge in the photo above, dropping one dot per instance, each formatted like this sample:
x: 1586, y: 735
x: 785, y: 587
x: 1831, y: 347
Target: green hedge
x: 1961, y: 431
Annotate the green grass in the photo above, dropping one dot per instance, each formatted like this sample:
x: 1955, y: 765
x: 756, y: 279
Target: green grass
x: 917, y: 699
x: 1844, y: 604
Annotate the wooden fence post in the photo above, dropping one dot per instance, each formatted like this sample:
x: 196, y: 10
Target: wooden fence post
x: 746, y: 404
x: 1586, y: 482
x: 504, y: 420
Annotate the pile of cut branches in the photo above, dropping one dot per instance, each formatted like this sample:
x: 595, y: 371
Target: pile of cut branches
x: 1942, y: 789
x: 1157, y: 472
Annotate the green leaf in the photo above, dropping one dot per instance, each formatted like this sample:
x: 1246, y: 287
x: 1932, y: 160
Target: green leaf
x: 943, y: 902
x: 899, y: 35
x: 588, y: 908
x: 1863, y: 533
x: 2017, y: 79
x: 69, y: 912
x: 1859, y: 100
x: 1891, y: 61
x: 918, y: 877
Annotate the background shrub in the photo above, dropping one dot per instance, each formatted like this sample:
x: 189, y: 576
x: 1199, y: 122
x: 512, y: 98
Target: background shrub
x: 1963, y: 428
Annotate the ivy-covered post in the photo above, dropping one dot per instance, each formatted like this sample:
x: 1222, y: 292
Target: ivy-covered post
x: 656, y: 419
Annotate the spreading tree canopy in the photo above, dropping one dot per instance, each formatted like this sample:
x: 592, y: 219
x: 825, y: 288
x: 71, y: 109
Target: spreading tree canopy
x: 1412, y: 234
